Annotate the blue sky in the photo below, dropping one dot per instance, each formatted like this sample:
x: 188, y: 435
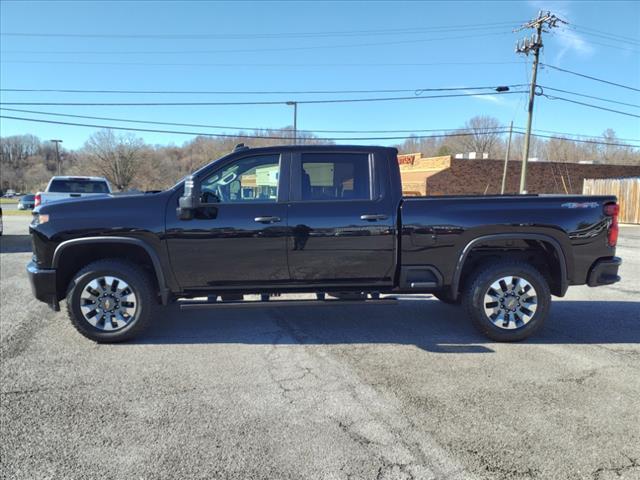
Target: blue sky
x: 420, y: 46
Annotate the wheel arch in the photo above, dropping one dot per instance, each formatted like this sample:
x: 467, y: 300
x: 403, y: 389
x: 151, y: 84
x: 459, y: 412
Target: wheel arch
x: 82, y: 251
x: 563, y: 281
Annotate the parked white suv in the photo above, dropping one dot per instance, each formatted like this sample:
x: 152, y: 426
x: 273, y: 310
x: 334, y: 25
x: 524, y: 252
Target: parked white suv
x: 64, y: 187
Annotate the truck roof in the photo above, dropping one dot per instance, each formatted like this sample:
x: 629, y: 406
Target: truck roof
x: 78, y: 177
x: 322, y: 148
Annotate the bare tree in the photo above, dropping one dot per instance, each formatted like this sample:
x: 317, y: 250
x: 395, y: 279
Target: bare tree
x: 15, y: 152
x: 117, y: 157
x: 616, y: 152
x: 17, y: 148
x: 26, y: 162
x: 483, y: 136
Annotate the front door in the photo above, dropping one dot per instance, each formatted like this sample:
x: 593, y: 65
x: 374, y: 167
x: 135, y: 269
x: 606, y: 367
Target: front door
x: 239, y: 238
x: 341, y: 223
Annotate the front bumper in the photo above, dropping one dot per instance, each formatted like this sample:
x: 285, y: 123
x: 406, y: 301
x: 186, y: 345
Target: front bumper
x: 604, y: 272
x: 43, y: 285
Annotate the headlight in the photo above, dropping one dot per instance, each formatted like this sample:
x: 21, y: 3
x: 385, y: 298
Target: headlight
x: 41, y: 218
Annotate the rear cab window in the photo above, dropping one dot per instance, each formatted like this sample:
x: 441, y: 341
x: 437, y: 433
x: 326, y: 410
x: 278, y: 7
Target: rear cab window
x: 78, y: 186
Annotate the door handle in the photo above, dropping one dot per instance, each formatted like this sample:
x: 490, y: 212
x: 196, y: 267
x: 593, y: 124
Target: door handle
x: 374, y: 217
x: 267, y: 219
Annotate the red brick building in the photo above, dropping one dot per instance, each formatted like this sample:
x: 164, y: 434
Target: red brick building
x: 452, y: 176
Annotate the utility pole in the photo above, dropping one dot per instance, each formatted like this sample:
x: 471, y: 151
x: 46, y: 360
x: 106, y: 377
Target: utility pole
x: 295, y: 121
x: 534, y: 44
x: 506, y: 160
x: 58, y: 156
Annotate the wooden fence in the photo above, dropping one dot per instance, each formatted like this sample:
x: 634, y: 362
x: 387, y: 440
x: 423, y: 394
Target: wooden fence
x: 626, y: 189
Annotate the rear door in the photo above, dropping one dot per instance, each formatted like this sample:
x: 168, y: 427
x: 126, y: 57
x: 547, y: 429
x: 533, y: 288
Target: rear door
x: 341, y: 219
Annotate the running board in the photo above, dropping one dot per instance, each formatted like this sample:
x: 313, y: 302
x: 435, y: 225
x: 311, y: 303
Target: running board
x: 424, y: 284
x: 194, y: 305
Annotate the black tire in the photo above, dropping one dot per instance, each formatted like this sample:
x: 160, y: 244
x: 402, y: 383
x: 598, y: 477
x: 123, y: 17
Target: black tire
x: 139, y: 282
x: 445, y: 297
x: 473, y: 297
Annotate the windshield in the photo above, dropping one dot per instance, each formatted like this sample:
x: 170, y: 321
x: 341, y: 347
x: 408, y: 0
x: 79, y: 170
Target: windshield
x: 28, y: 198
x: 78, y: 186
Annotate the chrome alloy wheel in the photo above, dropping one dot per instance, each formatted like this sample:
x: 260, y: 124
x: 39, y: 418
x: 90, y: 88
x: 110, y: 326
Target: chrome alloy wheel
x: 510, y: 302
x: 108, y: 303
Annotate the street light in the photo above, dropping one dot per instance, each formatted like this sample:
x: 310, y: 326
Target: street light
x: 58, y: 155
x: 295, y: 121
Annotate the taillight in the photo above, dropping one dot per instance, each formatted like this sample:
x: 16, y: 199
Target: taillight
x: 37, y: 201
x: 612, y: 210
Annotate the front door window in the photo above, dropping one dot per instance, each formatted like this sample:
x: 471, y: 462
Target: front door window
x: 250, y: 179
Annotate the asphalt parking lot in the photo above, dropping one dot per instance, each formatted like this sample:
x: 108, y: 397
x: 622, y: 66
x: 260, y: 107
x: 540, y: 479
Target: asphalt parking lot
x: 335, y: 392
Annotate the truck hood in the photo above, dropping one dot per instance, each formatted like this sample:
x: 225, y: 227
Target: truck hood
x: 52, y: 199
x: 94, y: 202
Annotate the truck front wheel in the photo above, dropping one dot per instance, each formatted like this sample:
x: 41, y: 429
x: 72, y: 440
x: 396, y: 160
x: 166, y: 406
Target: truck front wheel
x: 111, y: 301
x: 507, y: 301
x: 445, y: 297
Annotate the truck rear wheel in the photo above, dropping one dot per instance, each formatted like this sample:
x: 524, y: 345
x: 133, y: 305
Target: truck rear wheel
x: 111, y: 301
x: 507, y: 301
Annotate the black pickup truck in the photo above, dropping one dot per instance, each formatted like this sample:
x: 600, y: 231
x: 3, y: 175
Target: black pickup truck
x: 330, y: 220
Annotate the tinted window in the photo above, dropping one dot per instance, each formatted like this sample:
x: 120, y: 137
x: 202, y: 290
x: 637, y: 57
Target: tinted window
x: 78, y: 186
x: 28, y: 198
x: 335, y: 176
x: 250, y: 179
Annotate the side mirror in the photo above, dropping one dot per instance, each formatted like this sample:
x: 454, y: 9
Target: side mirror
x: 190, y: 199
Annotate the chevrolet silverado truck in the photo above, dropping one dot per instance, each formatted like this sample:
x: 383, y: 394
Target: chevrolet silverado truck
x: 317, y: 219
x: 64, y: 187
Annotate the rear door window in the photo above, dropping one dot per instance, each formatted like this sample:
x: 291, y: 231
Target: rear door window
x: 332, y: 176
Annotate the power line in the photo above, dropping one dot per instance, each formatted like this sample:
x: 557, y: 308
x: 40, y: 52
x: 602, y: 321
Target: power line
x: 197, y: 36
x: 240, y: 128
x: 617, y: 47
x: 257, y: 65
x: 247, y: 50
x: 566, y: 134
x: 596, y: 142
x: 590, y: 77
x: 417, y: 91
x: 288, y: 138
x: 208, y: 134
x: 603, y: 34
x: 153, y: 122
x: 263, y: 102
x: 550, y: 97
x: 589, y: 96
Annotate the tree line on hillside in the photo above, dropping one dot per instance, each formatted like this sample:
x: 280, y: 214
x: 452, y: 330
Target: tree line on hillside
x: 27, y: 163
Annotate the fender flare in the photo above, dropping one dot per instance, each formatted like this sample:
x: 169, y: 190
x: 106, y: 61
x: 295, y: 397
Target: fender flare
x: 155, y: 260
x: 564, y: 281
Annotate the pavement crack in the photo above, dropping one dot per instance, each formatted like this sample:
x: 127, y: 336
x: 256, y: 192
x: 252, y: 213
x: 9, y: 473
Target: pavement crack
x: 355, y: 436
x: 395, y: 470
x: 580, y: 379
x: 503, y: 471
x: 619, y: 470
